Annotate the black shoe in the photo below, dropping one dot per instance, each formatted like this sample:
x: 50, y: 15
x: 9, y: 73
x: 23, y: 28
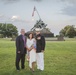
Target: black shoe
x: 23, y: 68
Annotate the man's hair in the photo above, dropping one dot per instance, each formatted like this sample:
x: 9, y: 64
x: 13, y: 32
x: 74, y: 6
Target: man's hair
x: 22, y: 29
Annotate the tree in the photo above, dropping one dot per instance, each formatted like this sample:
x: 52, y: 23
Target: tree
x: 75, y: 31
x: 68, y: 31
x: 8, y: 30
x: 62, y: 32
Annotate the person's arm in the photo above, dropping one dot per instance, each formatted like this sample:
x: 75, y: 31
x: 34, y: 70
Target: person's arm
x: 43, y: 43
x: 27, y: 48
x: 32, y: 47
x: 27, y: 45
x: 18, y: 44
x: 34, y: 44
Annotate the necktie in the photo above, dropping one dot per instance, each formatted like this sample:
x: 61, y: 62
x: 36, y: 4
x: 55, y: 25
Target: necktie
x: 24, y: 40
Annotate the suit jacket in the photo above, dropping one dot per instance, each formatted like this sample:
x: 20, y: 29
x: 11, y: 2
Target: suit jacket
x: 20, y: 45
x: 40, y: 43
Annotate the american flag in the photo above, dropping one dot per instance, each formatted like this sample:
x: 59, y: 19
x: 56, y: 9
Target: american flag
x: 33, y: 11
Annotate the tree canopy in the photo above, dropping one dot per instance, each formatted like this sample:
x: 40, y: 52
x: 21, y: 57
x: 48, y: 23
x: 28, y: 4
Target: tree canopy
x: 8, y: 30
x: 68, y: 31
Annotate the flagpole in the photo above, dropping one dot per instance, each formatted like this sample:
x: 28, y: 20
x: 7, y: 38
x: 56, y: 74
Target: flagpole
x: 38, y: 13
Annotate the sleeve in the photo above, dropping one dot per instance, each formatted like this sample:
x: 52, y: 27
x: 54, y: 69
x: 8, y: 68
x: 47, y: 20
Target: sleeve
x: 18, y: 44
x: 43, y: 42
x: 26, y: 39
x: 34, y: 42
x: 26, y: 42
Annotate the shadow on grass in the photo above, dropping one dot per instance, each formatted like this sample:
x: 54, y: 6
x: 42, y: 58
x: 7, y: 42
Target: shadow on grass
x: 25, y: 72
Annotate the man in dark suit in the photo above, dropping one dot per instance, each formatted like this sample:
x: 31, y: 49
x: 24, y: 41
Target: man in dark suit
x: 40, y: 49
x: 20, y: 50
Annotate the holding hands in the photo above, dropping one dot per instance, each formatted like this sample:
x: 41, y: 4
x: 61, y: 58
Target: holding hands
x: 32, y: 47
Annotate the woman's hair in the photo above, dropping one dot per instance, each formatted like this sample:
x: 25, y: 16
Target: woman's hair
x: 32, y: 35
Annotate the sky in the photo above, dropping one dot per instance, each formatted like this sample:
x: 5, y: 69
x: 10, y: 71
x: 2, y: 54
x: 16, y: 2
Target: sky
x: 55, y: 13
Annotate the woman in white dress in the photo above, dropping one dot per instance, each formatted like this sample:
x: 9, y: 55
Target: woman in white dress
x: 31, y: 50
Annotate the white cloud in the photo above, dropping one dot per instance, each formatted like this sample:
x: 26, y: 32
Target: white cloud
x: 1, y: 15
x: 19, y: 19
x: 70, y: 7
x: 15, y: 1
x: 15, y: 18
x: 9, y: 1
x: 69, y: 1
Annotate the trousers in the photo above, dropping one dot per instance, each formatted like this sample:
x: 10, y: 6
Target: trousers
x: 40, y: 60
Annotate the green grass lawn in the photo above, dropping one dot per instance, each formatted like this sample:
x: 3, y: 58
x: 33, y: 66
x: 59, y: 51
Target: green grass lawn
x: 60, y: 59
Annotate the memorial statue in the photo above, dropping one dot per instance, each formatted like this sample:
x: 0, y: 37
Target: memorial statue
x: 39, y: 24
